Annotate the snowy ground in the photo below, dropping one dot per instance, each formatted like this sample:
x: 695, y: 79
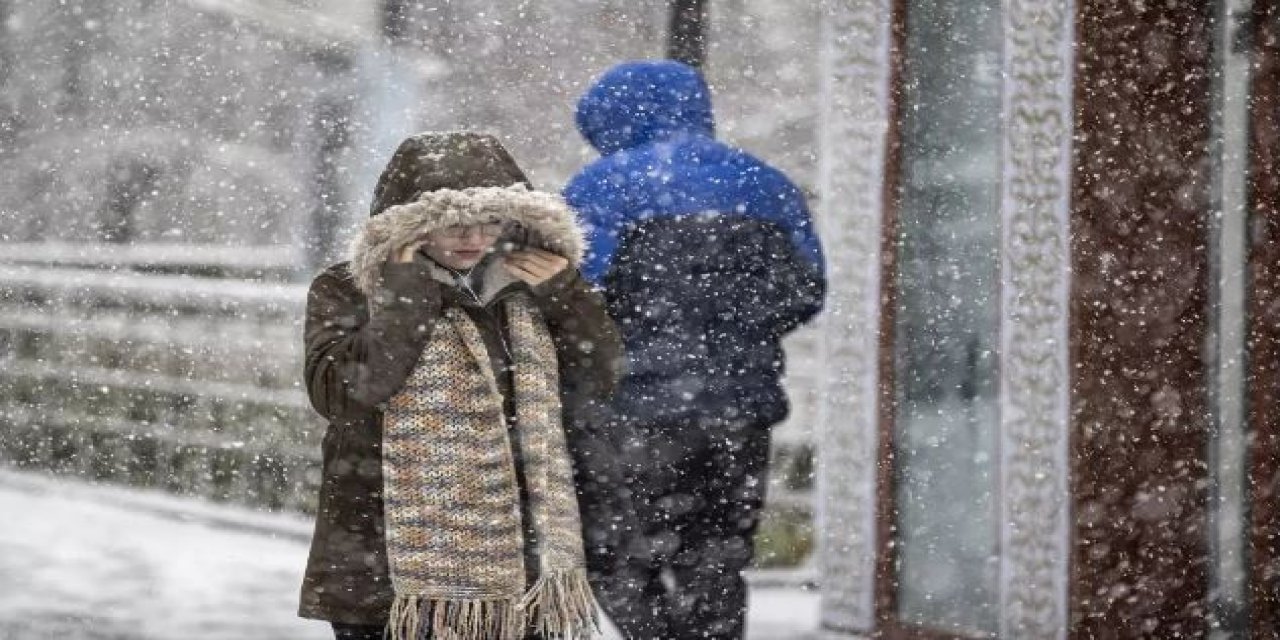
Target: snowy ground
x: 81, y: 562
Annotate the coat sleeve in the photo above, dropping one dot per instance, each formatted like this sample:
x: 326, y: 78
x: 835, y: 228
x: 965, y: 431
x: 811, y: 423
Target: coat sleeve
x: 356, y: 359
x: 600, y: 204
x: 790, y: 290
x: 587, y: 340
x: 590, y: 352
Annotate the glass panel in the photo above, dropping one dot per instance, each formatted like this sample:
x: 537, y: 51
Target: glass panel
x: 1228, y: 318
x: 947, y: 322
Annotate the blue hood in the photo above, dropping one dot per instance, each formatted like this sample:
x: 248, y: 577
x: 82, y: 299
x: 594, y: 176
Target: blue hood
x: 636, y: 103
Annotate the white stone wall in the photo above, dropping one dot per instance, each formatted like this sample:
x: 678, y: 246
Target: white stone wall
x: 1036, y: 68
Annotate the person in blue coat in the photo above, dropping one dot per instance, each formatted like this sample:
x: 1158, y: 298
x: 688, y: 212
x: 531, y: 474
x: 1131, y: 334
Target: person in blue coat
x: 707, y: 257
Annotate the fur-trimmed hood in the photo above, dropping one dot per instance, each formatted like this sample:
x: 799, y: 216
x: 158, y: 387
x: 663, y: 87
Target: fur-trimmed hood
x: 543, y: 221
x: 439, y: 179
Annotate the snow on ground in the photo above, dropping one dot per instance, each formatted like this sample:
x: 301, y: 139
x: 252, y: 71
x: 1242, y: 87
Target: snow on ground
x: 83, y: 562
x: 97, y: 563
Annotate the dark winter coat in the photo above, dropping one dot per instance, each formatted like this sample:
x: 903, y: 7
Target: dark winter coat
x: 708, y: 256
x: 359, y: 351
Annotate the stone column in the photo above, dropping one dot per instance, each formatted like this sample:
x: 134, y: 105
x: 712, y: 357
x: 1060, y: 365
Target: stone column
x: 854, y: 130
x: 1035, y: 285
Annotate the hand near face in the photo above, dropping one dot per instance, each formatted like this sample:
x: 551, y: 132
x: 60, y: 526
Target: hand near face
x: 405, y: 253
x: 534, y: 266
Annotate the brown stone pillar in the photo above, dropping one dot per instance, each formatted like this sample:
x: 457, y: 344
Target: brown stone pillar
x: 1264, y: 324
x: 1140, y: 421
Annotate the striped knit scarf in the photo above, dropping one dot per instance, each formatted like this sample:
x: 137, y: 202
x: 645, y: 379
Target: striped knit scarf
x: 455, y: 537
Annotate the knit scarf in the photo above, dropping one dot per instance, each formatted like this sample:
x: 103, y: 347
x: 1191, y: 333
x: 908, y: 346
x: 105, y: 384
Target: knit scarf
x: 454, y: 529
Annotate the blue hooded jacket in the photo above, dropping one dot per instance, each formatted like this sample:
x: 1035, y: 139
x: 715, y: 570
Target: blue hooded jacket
x: 652, y: 123
x: 707, y: 255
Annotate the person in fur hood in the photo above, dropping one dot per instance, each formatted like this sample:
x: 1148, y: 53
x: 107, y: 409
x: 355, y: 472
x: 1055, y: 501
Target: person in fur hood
x: 450, y: 355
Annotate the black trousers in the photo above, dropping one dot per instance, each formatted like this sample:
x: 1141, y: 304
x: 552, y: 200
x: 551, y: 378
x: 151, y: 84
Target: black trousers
x: 343, y: 631
x: 698, y: 489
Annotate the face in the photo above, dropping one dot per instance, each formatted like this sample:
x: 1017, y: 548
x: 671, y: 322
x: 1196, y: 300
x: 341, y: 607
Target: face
x: 462, y: 246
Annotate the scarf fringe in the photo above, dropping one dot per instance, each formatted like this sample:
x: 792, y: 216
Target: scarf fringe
x: 559, y: 605
x: 413, y: 616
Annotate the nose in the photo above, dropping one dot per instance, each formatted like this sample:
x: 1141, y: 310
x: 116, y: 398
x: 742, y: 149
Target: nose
x: 472, y: 236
